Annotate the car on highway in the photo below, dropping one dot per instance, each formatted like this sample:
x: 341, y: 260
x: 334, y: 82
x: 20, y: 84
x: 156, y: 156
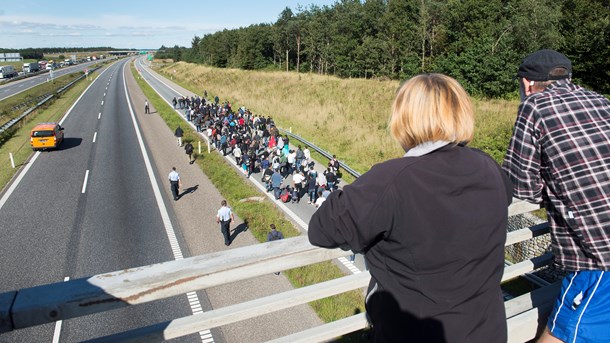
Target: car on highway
x: 46, y: 135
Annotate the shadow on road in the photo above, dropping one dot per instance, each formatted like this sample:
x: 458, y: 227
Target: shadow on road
x: 243, y: 227
x: 70, y: 142
x: 188, y: 191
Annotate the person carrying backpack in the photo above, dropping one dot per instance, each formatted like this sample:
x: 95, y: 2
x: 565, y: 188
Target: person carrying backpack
x: 188, y: 148
x: 274, y: 235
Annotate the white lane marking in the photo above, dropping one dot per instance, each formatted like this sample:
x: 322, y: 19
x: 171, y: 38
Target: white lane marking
x: 99, y: 115
x: 102, y: 102
x: 104, y: 94
x: 85, y: 182
x: 57, y: 331
x: 94, y: 136
x: 169, y: 229
x: 20, y: 177
x: 349, y: 265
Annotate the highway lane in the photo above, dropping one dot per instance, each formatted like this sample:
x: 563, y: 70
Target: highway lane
x: 54, y: 225
x: 15, y: 87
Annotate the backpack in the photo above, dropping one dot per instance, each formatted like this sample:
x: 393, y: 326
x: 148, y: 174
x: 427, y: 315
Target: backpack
x: 285, y: 197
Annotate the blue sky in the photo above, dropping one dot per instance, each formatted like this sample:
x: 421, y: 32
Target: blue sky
x: 130, y: 23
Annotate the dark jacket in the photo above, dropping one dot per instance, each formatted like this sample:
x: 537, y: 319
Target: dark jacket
x: 188, y: 148
x: 179, y: 132
x: 432, y: 229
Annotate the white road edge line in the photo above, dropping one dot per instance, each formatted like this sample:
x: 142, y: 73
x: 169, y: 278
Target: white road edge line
x: 102, y: 102
x: 99, y: 115
x: 58, y: 323
x: 21, y: 175
x: 94, y: 136
x: 169, y: 229
x: 85, y: 182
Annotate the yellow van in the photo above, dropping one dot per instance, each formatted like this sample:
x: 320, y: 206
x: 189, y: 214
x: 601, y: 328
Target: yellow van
x: 46, y: 136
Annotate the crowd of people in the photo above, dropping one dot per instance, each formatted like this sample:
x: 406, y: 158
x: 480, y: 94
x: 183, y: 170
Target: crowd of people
x: 258, y: 147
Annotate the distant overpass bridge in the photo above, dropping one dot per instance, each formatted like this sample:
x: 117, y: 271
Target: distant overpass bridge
x: 130, y: 52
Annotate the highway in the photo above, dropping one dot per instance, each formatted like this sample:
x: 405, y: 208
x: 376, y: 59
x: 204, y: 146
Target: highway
x: 87, y: 208
x: 15, y: 87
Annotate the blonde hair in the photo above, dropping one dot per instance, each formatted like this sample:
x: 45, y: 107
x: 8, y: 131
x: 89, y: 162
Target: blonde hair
x: 431, y: 107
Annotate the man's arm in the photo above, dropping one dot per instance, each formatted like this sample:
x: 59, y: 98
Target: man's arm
x: 522, y: 162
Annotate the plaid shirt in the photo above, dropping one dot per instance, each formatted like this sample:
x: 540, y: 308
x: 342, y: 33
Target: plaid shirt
x: 559, y: 155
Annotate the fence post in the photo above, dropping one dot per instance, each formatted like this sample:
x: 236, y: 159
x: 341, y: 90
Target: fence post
x: 12, y: 160
x: 199, y: 144
x: 209, y: 146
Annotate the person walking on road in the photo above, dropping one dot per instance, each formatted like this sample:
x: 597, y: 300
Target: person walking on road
x: 188, y: 148
x: 274, y: 235
x: 224, y: 218
x: 146, y: 107
x: 179, y: 133
x: 175, y: 183
x: 276, y: 183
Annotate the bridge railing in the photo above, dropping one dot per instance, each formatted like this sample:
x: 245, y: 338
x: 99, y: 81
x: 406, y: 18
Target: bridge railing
x: 61, y: 301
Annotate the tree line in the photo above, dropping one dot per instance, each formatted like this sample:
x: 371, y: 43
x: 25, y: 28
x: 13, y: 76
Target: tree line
x: 479, y: 42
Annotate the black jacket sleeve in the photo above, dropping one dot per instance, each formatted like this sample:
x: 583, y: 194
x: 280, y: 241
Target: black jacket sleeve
x: 356, y: 217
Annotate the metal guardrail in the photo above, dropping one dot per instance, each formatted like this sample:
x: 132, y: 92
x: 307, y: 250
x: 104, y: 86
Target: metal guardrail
x: 320, y: 151
x: 16, y: 120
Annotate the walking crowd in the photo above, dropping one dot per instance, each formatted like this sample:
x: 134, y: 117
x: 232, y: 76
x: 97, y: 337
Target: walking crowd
x: 258, y: 147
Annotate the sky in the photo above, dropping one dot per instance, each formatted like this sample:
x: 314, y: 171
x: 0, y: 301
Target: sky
x: 133, y: 24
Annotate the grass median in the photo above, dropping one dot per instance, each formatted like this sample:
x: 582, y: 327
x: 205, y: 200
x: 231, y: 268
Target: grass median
x: 233, y: 187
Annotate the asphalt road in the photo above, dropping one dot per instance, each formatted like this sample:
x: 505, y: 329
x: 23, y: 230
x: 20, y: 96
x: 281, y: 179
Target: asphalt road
x: 85, y: 209
x: 15, y: 87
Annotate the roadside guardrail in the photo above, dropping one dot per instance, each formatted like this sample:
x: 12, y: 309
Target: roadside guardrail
x: 16, y: 120
x: 320, y: 151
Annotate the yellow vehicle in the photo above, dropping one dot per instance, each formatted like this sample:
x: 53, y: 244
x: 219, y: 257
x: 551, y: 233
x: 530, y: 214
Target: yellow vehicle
x: 46, y: 136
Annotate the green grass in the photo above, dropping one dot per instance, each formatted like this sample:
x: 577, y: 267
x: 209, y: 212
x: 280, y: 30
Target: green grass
x: 259, y: 215
x: 16, y: 141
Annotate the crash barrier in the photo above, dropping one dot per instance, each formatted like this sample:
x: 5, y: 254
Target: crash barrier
x: 75, y: 298
x: 45, y: 98
x: 320, y: 151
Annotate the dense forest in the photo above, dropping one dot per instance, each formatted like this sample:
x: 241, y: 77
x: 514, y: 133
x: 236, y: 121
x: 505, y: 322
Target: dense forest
x: 479, y: 42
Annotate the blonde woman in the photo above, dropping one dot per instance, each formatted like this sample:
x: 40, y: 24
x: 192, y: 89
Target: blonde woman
x: 431, y: 224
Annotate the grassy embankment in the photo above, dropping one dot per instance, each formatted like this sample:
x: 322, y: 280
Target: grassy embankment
x: 347, y: 117
x: 259, y: 215
x: 17, y: 140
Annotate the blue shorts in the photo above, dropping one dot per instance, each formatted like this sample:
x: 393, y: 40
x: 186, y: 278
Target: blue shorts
x: 582, y: 309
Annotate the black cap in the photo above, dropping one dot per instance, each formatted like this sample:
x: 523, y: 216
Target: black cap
x: 538, y: 66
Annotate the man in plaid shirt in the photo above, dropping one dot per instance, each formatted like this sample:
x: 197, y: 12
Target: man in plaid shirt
x: 559, y: 156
